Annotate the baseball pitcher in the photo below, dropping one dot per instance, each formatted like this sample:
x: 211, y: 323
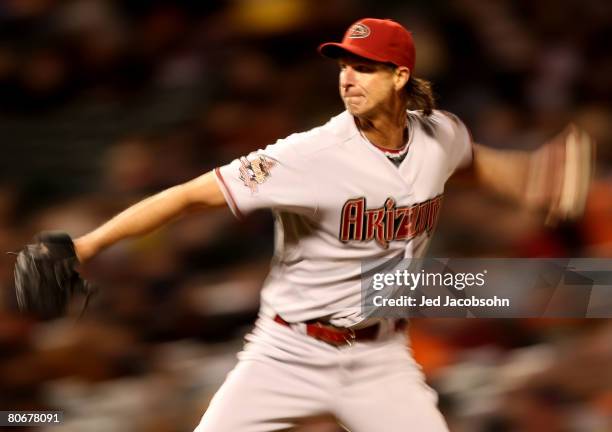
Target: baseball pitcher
x: 367, y: 184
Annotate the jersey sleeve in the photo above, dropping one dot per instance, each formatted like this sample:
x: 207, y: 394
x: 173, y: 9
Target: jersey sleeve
x: 458, y: 143
x: 276, y: 177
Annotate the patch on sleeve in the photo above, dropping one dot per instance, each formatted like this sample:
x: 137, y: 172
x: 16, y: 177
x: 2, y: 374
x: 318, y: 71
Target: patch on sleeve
x: 255, y: 172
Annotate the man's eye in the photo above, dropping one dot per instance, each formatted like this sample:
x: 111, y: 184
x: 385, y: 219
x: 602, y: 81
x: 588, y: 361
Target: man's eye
x: 363, y: 68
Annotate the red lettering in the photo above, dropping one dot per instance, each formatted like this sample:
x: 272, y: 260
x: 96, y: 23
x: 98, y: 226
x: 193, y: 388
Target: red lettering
x: 387, y: 223
x: 401, y: 233
x: 412, y: 214
x: 374, y: 223
x: 421, y: 217
x: 389, y: 219
x: 351, y: 224
x: 434, y: 207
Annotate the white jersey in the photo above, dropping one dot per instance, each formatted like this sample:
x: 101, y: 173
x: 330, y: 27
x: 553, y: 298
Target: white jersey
x: 337, y: 201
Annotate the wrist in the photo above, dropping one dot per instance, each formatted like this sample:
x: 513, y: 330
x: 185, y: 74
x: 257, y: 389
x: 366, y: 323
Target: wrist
x: 84, y: 249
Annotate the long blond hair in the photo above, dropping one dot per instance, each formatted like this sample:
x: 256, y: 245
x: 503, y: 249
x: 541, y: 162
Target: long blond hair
x: 420, y: 95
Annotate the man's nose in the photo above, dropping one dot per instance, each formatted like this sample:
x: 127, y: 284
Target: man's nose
x: 347, y: 77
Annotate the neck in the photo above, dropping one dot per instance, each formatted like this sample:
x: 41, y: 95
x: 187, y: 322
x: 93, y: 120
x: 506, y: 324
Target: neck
x: 386, y: 130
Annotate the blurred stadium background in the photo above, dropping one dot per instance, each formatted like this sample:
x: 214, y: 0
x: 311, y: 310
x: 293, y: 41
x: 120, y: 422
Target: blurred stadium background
x: 104, y: 102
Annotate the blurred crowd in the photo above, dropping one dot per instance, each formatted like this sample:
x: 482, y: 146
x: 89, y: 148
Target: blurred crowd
x: 104, y: 102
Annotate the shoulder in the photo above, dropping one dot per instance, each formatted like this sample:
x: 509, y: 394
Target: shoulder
x: 328, y: 136
x: 441, y: 125
x: 451, y: 135
x: 439, y: 122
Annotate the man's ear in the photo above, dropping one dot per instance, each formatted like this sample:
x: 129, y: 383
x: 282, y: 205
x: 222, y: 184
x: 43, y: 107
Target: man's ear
x: 401, y: 77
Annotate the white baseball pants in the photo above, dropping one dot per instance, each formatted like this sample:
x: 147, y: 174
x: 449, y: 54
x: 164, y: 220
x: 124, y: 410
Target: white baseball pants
x: 284, y: 376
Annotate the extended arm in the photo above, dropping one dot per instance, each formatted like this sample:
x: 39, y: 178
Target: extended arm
x: 504, y: 172
x: 554, y: 178
x: 151, y: 213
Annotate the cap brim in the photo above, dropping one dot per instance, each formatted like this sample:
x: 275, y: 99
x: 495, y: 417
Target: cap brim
x: 336, y: 50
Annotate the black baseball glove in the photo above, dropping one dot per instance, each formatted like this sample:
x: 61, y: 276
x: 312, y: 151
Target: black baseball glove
x: 45, y: 276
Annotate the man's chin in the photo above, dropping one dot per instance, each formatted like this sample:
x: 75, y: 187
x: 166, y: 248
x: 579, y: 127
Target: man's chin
x: 354, y: 110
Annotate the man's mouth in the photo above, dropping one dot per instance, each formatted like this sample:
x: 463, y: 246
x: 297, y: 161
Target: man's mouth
x: 353, y: 99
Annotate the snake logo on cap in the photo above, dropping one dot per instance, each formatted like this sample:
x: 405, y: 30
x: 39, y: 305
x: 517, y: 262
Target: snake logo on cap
x: 359, y: 31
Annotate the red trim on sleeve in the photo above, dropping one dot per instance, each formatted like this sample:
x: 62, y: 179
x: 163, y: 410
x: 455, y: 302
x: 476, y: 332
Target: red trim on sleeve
x: 228, y: 195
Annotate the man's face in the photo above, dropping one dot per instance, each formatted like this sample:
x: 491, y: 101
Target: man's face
x: 366, y: 87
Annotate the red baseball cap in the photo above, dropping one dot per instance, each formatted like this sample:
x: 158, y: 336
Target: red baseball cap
x: 381, y: 40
